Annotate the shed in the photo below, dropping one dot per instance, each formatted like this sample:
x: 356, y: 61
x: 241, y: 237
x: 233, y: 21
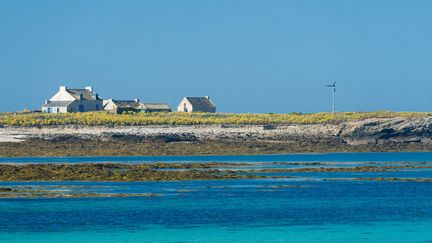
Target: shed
x: 196, y: 104
x: 121, y: 106
x: 155, y: 107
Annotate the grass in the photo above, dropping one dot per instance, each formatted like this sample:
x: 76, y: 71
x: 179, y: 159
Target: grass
x: 174, y: 118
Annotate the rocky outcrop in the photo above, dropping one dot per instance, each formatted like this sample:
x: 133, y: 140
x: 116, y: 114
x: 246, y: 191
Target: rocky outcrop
x: 381, y: 131
x: 369, y: 132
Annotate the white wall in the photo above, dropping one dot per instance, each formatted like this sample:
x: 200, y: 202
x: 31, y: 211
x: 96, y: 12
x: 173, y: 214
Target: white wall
x: 183, y: 103
x: 55, y: 109
x: 88, y: 105
x: 62, y: 95
x: 109, y: 105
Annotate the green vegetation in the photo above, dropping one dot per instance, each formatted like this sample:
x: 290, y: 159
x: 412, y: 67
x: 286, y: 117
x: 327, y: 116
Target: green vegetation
x: 119, y: 172
x: 59, y: 192
x: 174, y: 118
x: 71, y: 146
x: 344, y: 169
x: 166, y: 171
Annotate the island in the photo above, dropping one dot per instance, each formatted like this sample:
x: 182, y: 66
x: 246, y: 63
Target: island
x: 102, y: 133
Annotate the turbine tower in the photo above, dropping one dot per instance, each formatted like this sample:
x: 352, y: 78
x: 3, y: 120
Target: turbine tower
x: 333, y: 86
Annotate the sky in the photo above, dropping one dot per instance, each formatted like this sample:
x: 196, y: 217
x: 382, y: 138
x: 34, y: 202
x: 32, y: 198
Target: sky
x: 247, y: 55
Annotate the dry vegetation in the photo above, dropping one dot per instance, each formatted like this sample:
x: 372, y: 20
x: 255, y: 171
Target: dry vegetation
x: 174, y: 118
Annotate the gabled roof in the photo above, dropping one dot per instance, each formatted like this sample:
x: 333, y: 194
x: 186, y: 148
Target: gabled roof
x: 200, y: 103
x: 127, y: 104
x: 58, y: 103
x: 155, y: 106
x: 86, y: 94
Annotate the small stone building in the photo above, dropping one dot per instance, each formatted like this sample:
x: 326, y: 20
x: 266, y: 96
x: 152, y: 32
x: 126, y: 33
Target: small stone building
x: 196, y: 104
x: 121, y: 106
x: 155, y: 107
x: 73, y: 100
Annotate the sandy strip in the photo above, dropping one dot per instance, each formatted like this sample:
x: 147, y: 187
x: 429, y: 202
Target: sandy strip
x: 11, y: 138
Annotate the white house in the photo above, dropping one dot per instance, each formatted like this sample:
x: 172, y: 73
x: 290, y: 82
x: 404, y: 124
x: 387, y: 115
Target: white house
x: 196, y: 104
x: 73, y: 100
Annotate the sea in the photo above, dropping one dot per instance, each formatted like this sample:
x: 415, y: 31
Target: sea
x: 305, y: 207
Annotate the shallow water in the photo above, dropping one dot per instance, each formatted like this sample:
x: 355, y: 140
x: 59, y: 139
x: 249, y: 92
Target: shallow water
x: 305, y: 208
x: 326, y: 157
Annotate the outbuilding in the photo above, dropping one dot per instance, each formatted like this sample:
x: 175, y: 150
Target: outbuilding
x: 121, y: 106
x: 196, y: 104
x: 155, y: 107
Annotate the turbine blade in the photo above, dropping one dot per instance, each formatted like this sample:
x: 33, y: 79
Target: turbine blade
x: 334, y: 83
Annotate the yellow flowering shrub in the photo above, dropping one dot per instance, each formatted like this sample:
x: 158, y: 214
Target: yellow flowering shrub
x: 175, y: 118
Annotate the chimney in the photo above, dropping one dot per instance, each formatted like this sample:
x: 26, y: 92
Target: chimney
x: 89, y: 88
x: 46, y: 102
x: 96, y: 96
x: 136, y: 100
x: 62, y: 88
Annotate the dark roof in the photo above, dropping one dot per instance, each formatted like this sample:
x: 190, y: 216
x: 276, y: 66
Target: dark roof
x: 155, y: 106
x: 127, y: 104
x: 58, y: 103
x: 200, y: 103
x: 86, y: 94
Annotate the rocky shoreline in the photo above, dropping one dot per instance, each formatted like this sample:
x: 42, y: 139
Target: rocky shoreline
x: 374, y: 134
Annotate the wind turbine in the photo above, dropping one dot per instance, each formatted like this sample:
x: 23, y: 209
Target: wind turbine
x: 333, y: 86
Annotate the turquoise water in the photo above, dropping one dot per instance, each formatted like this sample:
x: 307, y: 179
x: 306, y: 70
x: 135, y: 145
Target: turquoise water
x: 306, y: 208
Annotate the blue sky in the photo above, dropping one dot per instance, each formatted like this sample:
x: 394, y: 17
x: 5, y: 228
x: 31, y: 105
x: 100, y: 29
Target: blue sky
x: 249, y: 56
